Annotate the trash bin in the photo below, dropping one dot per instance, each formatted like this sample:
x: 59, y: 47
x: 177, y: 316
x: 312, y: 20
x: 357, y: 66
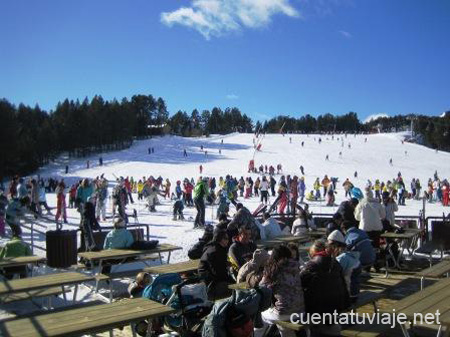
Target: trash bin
x: 61, y: 248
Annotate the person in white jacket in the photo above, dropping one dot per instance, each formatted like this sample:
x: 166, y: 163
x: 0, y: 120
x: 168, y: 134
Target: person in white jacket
x: 369, y: 213
x: 271, y: 227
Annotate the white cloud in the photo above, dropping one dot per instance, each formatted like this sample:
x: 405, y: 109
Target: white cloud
x: 216, y: 17
x: 232, y: 96
x: 375, y: 116
x: 345, y: 34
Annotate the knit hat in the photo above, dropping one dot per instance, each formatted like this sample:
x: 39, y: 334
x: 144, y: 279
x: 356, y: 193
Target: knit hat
x: 260, y: 256
x: 336, y: 236
x: 119, y: 222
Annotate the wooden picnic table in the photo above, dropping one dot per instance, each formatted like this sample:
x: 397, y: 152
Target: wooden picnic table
x: 318, y: 232
x: 43, y: 282
x: 123, y: 254
x: 239, y: 286
x: 180, y: 267
x: 85, y: 320
x: 270, y: 243
x: 408, y: 235
x: 428, y: 301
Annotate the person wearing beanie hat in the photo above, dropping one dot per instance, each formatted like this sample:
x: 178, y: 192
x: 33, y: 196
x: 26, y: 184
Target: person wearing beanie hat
x: 349, y: 261
x: 252, y: 271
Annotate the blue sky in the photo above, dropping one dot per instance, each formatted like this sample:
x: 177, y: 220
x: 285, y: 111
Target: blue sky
x: 267, y: 57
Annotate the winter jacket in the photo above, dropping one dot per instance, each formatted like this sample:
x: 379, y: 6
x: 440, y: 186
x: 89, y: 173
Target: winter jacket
x: 252, y: 271
x: 390, y: 210
x: 324, y: 286
x: 243, y: 217
x: 264, y: 186
x: 301, y: 188
x: 358, y: 240
x: 118, y: 239
x: 272, y: 228
x: 13, y: 210
x: 239, y: 254
x: 201, y: 190
x: 299, y: 227
x: 347, y: 211
x: 213, y: 264
x: 349, y: 261
x: 197, y: 250
x: 250, y: 302
x: 287, y: 289
x: 15, y: 248
x: 83, y: 193
x: 369, y: 212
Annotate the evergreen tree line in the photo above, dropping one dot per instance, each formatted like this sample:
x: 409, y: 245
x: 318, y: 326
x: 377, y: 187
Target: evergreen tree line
x: 430, y: 130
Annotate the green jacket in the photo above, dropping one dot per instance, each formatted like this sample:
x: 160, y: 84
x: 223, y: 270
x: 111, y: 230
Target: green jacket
x: 15, y: 248
x: 201, y: 190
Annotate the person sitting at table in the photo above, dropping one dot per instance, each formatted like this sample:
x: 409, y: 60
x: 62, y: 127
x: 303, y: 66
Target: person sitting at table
x: 324, y: 288
x: 357, y: 240
x: 271, y: 227
x: 243, y: 218
x: 213, y: 266
x: 15, y: 248
x: 252, y: 271
x: 197, y: 250
x: 136, y: 288
x: 119, y: 237
x: 241, y: 250
x: 281, y: 275
x: 349, y: 261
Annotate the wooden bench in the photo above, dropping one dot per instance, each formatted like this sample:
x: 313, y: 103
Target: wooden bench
x: 271, y: 243
x: 21, y: 261
x: 436, y: 271
x: 31, y: 295
x: 85, y: 320
x: 9, y: 288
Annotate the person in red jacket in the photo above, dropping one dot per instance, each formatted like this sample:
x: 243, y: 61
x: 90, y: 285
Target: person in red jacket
x: 445, y: 193
x: 294, y: 193
x: 188, y: 193
x: 60, y: 202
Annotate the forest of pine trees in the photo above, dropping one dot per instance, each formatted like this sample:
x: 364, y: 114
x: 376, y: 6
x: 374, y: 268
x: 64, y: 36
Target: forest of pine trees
x: 30, y: 137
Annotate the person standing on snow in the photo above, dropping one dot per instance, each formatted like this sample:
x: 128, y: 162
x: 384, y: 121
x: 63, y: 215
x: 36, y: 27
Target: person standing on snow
x: 60, y: 202
x: 200, y: 193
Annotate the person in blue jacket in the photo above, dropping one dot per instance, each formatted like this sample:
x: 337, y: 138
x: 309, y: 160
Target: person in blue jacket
x: 119, y: 237
x: 357, y: 240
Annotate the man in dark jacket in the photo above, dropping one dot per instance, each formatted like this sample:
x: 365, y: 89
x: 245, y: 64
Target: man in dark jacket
x: 324, y: 287
x: 213, y: 267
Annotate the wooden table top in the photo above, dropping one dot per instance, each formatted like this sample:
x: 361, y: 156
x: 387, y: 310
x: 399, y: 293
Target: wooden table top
x: 437, y: 270
x: 87, y: 320
x: 122, y: 253
x: 408, y: 234
x: 432, y: 298
x: 44, y: 281
x: 21, y: 261
x: 270, y: 243
x: 180, y: 267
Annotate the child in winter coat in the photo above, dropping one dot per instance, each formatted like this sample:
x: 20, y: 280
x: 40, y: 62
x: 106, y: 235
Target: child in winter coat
x: 178, y: 210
